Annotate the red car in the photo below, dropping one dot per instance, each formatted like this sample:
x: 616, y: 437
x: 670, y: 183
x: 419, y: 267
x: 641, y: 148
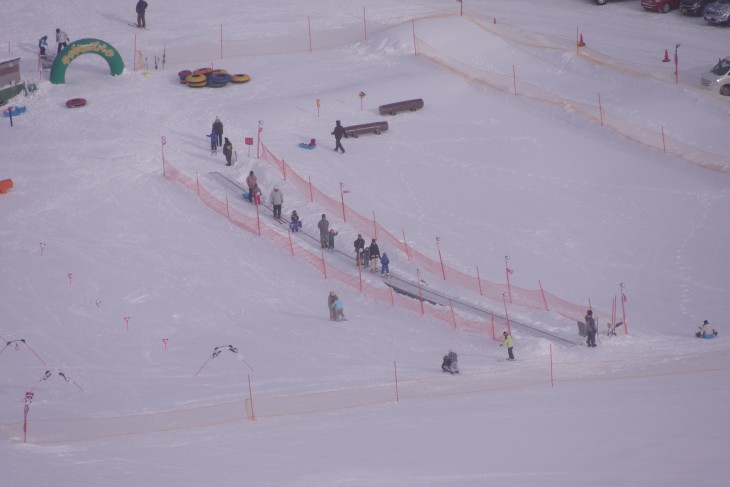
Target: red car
x: 662, y: 6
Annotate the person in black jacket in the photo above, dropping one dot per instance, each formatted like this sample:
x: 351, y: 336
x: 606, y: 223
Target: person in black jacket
x: 591, y: 328
x: 338, y: 132
x: 228, y: 151
x: 141, y: 9
x: 359, y: 247
x: 374, y: 256
x: 218, y: 129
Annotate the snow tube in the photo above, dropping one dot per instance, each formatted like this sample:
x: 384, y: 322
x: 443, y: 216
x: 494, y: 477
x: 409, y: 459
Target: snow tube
x: 203, y: 71
x: 14, y: 111
x: 76, y: 102
x: 184, y: 74
x: 5, y: 185
x: 709, y: 337
x: 304, y: 145
x: 219, y: 71
x: 218, y: 80
x: 240, y: 78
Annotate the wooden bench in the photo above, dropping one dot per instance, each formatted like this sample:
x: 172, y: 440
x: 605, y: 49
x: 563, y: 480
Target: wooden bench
x: 366, y: 128
x: 5, y: 185
x: 401, y: 106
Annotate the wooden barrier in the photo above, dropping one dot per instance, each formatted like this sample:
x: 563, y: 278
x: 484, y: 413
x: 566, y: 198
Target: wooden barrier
x: 366, y: 128
x: 5, y: 185
x: 401, y: 106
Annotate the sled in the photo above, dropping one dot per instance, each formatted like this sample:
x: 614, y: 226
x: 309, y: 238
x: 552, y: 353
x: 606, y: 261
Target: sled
x: 306, y: 146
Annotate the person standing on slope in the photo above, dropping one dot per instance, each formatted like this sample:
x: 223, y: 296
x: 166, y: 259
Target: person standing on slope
x: 277, y: 199
x: 61, y: 40
x: 228, y: 151
x: 324, y: 230
x: 338, y: 132
x: 250, y: 182
x: 218, y: 130
x: 591, y: 329
x: 141, y: 9
x: 507, y: 342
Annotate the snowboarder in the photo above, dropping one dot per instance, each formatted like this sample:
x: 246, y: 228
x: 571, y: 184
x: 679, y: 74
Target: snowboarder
x: 294, y: 223
x: 450, y: 363
x: 338, y: 309
x: 706, y: 331
x: 141, y: 8
x: 324, y: 228
x: 331, y: 305
x: 42, y: 43
x: 507, y: 342
x: 228, y: 151
x: 61, y: 40
x: 250, y: 182
x: 359, y: 244
x: 374, y: 256
x: 213, y: 143
x: 591, y: 329
x: 338, y: 132
x: 384, y: 261
x: 277, y: 199
x: 331, y: 239
x: 218, y: 129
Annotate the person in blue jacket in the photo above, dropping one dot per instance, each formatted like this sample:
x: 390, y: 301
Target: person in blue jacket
x: 213, y: 142
x: 42, y: 43
x: 384, y: 261
x: 339, y: 310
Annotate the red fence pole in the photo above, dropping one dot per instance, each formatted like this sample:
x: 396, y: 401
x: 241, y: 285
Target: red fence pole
x: 453, y: 315
x: 506, y: 314
x: 415, y: 50
x: 600, y: 109
x: 508, y: 271
x: 324, y: 265
x: 405, y: 242
x: 258, y: 219
x: 250, y: 397
x: 359, y: 273
x: 228, y: 213
x: 494, y: 334
x: 438, y: 246
x: 309, y: 30
x: 364, y: 23
x: 514, y: 79
x: 197, y: 184
x: 479, y: 282
x: 291, y: 245
x: 664, y: 144
x: 311, y: 193
x: 420, y: 293
x: 623, y: 308
x: 543, y: 295
x: 164, y: 141
x: 375, y: 226
x: 395, y: 371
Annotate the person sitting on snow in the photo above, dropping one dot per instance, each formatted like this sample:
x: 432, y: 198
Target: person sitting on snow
x: 706, y: 331
x: 450, y: 363
x: 294, y: 222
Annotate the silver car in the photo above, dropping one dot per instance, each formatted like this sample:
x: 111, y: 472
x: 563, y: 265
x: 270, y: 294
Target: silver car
x: 718, y: 79
x: 718, y: 12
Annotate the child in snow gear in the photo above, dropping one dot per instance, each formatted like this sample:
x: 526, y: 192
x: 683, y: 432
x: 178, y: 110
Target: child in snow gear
x: 256, y: 194
x: 374, y: 256
x: 250, y: 182
x: 324, y: 229
x: 339, y: 310
x: 507, y: 343
x: 450, y: 363
x: 42, y: 42
x: 213, y: 143
x: 331, y: 239
x: 591, y: 329
x: 706, y: 331
x: 331, y: 305
x: 228, y: 151
x: 218, y: 130
x: 384, y: 261
x: 61, y: 40
x: 141, y: 9
x: 359, y: 246
x: 277, y: 199
x: 338, y: 132
x: 294, y: 223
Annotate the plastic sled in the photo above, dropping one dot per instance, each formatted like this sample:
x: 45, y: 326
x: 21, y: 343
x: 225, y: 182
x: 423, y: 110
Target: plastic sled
x: 307, y: 146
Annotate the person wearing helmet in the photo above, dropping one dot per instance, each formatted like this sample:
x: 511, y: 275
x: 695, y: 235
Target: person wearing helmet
x: 507, y: 342
x: 324, y: 230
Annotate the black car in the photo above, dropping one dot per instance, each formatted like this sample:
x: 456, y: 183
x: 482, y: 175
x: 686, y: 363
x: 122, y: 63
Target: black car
x: 693, y: 7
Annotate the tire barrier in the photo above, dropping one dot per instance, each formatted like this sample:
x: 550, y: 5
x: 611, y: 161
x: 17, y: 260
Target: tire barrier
x: 212, y: 78
x: 76, y: 102
x: 366, y: 128
x: 14, y: 111
x: 401, y: 106
x: 5, y: 185
x: 240, y: 78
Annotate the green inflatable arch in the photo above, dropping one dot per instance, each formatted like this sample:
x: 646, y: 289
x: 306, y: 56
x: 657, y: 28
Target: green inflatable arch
x: 83, y: 46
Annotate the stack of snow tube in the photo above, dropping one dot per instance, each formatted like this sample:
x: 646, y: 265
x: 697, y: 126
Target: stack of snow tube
x: 240, y: 78
x: 214, y: 78
x: 199, y: 78
x: 218, y: 78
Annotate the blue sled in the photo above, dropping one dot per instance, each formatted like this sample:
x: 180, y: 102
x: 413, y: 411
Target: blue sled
x: 709, y: 337
x: 307, y: 146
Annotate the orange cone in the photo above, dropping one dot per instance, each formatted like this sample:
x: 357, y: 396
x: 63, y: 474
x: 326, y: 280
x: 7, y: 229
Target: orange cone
x: 666, y: 56
x: 580, y: 42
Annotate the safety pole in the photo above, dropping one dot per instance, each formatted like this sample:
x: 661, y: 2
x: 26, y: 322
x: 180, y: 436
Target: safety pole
x: 395, y: 371
x: 420, y: 293
x: 543, y: 295
x: 405, y: 242
x: 309, y: 32
x: 250, y: 397
x: 479, y: 282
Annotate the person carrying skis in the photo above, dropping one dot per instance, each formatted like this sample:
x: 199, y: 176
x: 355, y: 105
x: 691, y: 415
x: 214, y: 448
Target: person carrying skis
x: 294, y: 222
x: 61, y: 40
x: 338, y: 132
x: 42, y: 43
x: 591, y: 328
x: 250, y: 182
x: 450, y: 363
x: 141, y: 8
x: 228, y: 151
x: 324, y: 229
x: 277, y: 199
x: 384, y: 261
x: 374, y: 256
x: 218, y: 130
x: 507, y: 342
x: 331, y: 239
x: 359, y: 246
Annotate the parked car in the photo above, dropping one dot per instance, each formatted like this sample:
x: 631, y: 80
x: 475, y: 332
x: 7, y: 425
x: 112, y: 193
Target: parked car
x: 718, y: 79
x: 694, y: 7
x: 718, y: 12
x: 662, y: 6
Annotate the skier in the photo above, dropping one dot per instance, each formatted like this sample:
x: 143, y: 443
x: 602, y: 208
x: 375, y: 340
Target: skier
x: 338, y: 132
x: 61, y: 40
x: 213, y: 143
x: 706, y: 331
x: 338, y: 309
x: 450, y: 363
x: 141, y: 9
x: 330, y: 304
x: 294, y: 222
x: 324, y: 228
x: 374, y: 256
x: 218, y: 129
x: 507, y: 343
x: 228, y: 151
x: 250, y: 182
x: 42, y: 43
x: 591, y: 329
x: 331, y: 239
x: 277, y: 199
x: 359, y: 244
x: 384, y: 261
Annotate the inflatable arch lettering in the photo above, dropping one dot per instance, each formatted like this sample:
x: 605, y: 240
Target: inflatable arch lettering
x: 84, y: 46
